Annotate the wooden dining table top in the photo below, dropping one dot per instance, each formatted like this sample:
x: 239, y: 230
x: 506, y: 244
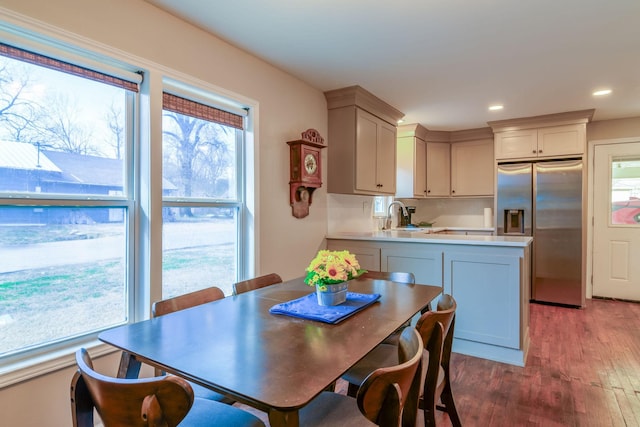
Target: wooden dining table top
x: 272, y: 362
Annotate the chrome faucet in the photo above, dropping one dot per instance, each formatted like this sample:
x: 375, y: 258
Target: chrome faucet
x: 387, y: 225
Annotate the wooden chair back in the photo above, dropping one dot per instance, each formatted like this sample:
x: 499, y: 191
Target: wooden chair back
x: 389, y: 395
x: 256, y: 283
x: 192, y: 299
x: 163, y: 401
x: 396, y: 276
x: 435, y: 377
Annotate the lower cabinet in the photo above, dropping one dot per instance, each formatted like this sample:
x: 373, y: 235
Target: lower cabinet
x: 424, y: 263
x: 490, y: 283
x: 484, y: 286
x: 368, y: 256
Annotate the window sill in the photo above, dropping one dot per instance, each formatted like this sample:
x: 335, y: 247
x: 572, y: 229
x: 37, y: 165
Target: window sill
x: 44, y: 364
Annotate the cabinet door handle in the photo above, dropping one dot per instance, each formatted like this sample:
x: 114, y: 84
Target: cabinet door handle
x: 453, y: 191
x: 539, y: 151
x: 535, y: 151
x: 428, y: 191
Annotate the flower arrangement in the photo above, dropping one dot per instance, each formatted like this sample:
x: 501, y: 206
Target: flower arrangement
x: 332, y: 267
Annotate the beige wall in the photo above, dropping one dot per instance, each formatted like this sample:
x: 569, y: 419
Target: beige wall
x: 287, y: 107
x: 612, y: 129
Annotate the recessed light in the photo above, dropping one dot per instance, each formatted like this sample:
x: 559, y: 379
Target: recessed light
x: 602, y: 92
x: 400, y: 121
x: 496, y: 107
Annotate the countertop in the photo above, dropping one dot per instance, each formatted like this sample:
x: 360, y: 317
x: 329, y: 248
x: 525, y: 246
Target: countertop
x: 422, y: 236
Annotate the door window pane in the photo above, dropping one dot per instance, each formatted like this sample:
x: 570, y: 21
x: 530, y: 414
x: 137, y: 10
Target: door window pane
x: 625, y: 191
x: 62, y: 273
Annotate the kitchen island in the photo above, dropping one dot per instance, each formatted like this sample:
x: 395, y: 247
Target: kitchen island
x: 489, y: 276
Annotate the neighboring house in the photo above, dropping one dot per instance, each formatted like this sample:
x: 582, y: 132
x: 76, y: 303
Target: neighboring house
x: 27, y: 168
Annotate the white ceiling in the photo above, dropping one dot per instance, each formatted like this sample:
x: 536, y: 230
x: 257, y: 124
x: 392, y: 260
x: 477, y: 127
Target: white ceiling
x: 443, y: 62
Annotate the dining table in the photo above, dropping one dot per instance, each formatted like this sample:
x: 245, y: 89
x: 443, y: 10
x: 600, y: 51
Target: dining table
x: 273, y: 362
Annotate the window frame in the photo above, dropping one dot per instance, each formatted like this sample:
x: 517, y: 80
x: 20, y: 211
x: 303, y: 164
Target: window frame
x: 144, y: 206
x: 200, y: 95
x: 126, y: 201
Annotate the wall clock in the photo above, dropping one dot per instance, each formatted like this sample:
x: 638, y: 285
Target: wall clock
x: 305, y: 171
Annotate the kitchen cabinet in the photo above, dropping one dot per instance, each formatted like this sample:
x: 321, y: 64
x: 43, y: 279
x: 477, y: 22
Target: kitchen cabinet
x: 551, y: 136
x: 368, y: 256
x: 362, y: 143
x: 425, y: 263
x: 423, y: 163
x: 483, y: 285
x: 490, y: 281
x: 472, y: 168
x: 411, y: 166
x: 438, y: 169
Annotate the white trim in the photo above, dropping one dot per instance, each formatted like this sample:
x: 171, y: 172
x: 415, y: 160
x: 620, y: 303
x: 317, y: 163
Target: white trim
x: 33, y: 29
x: 33, y: 367
x: 19, y: 38
x: 591, y: 146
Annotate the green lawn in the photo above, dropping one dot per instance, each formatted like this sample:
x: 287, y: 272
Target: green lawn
x: 59, y: 302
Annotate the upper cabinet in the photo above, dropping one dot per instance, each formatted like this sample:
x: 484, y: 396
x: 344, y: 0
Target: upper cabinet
x: 361, y: 143
x: 444, y: 164
x: 472, y: 163
x: 423, y: 160
x: 438, y: 169
x: 549, y: 136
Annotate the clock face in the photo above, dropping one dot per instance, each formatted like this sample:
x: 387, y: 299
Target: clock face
x: 310, y: 164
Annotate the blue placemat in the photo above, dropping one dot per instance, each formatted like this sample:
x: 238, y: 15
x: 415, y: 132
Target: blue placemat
x: 307, y: 307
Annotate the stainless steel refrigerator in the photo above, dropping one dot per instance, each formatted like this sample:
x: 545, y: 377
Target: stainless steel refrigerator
x: 544, y: 200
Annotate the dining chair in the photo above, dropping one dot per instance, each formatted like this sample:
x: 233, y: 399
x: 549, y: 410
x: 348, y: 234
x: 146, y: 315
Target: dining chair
x: 387, y: 397
x: 184, y: 301
x: 181, y: 302
x: 436, y: 379
x: 256, y: 283
x: 159, y: 401
x: 395, y: 276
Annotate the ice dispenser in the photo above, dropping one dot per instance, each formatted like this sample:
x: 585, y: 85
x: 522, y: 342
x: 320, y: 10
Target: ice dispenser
x: 514, y: 221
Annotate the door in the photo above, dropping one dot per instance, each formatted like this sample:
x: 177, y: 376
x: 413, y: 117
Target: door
x: 557, y: 233
x: 616, y: 221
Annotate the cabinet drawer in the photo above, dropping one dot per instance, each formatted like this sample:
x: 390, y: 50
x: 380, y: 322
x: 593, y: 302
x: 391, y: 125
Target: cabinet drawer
x: 368, y: 257
x: 425, y: 264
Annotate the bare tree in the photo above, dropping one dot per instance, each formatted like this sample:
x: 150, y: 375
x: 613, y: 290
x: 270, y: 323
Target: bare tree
x: 199, y: 154
x: 115, y: 123
x: 63, y: 131
x: 17, y: 112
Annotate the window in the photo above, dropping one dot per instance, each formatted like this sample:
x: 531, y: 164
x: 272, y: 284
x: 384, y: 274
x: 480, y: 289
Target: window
x: 625, y: 191
x: 65, y: 200
x: 202, y: 196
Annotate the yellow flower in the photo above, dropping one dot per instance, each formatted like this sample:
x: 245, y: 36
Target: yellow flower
x: 331, y: 267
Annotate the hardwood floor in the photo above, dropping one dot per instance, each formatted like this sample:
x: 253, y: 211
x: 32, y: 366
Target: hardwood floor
x: 583, y: 370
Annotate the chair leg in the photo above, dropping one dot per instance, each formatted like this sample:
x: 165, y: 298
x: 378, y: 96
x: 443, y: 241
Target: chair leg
x: 352, y: 390
x: 449, y: 406
x: 429, y: 412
